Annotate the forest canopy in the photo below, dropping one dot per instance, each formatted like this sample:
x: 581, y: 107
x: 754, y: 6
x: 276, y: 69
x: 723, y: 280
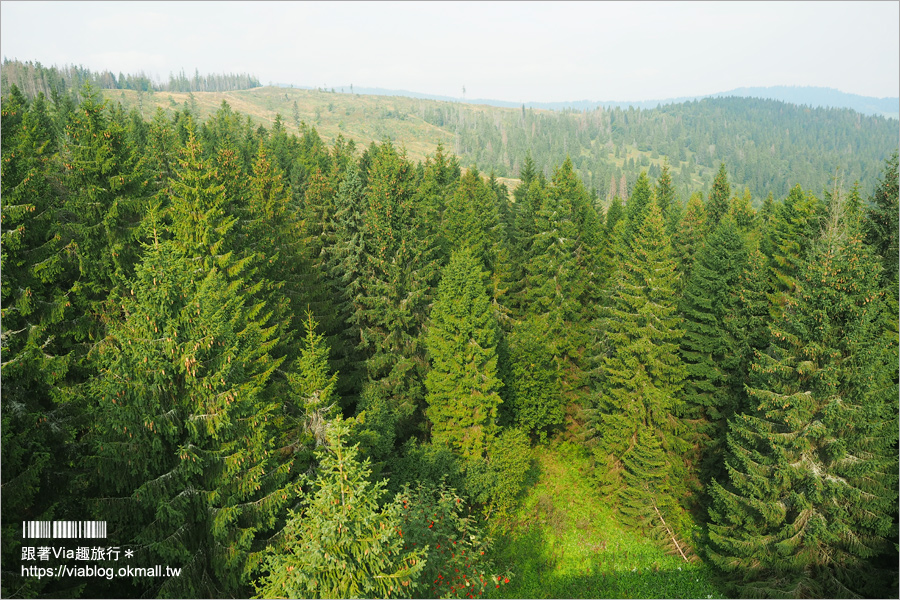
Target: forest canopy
x: 299, y: 368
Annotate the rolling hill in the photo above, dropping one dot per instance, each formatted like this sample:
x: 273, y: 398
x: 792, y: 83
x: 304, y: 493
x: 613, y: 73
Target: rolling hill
x: 768, y: 146
x: 815, y: 97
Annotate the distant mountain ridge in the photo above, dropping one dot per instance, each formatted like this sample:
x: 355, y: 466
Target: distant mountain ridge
x: 821, y: 97
x: 799, y: 95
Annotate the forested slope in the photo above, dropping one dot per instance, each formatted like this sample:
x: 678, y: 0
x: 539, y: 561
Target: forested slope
x: 769, y: 145
x: 292, y: 367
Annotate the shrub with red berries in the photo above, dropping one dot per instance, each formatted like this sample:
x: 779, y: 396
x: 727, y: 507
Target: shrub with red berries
x: 457, y: 563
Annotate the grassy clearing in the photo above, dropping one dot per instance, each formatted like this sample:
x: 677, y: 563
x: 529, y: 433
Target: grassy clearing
x: 564, y: 542
x: 675, y: 166
x: 364, y: 119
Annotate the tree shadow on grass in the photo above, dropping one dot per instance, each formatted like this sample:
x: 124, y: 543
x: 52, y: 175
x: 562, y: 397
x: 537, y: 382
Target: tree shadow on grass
x: 502, y: 525
x: 535, y: 563
x: 640, y: 583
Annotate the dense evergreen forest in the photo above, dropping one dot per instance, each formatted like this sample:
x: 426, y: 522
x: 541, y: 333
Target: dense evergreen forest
x: 299, y: 369
x: 768, y: 145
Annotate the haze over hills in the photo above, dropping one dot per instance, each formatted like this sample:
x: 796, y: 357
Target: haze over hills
x: 801, y: 95
x: 768, y: 145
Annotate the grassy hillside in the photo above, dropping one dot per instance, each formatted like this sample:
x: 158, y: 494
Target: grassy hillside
x: 767, y: 146
x: 364, y: 119
x: 565, y: 542
x: 368, y: 118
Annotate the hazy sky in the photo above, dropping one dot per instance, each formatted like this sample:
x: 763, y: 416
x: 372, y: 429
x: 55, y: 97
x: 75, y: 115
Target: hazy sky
x: 518, y: 51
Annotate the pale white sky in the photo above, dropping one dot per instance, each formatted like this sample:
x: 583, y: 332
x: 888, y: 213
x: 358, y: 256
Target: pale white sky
x: 516, y: 51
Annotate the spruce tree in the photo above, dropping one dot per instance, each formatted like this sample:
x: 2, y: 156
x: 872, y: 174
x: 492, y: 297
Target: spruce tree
x: 398, y: 272
x: 615, y: 212
x: 533, y: 391
x: 753, y: 316
x: 813, y: 465
x: 185, y: 424
x: 463, y: 386
x: 441, y: 175
x: 187, y: 414
x: 641, y: 197
x: 647, y: 496
x: 560, y: 276
x: 527, y: 174
x: 472, y: 220
x: 690, y: 235
x: 314, y: 405
x: 607, y: 259
x: 104, y: 194
x: 712, y: 346
x: 526, y: 228
x: 344, y: 542
x: 641, y: 376
x: 504, y: 209
x: 316, y: 218
x: 198, y: 208
x: 882, y: 219
x: 344, y: 261
x: 270, y: 232
x: 668, y: 200
x: 719, y: 197
x: 158, y: 160
x: 741, y: 210
x: 790, y: 234
x: 39, y: 422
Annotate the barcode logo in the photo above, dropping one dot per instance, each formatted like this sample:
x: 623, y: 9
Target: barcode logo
x: 63, y: 529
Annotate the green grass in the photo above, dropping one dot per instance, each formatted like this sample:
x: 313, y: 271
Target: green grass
x: 675, y: 166
x: 565, y: 542
x: 361, y: 118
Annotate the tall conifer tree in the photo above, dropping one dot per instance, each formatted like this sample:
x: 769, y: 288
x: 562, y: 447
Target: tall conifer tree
x: 344, y: 260
x: 641, y: 196
x: 38, y: 424
x: 532, y: 384
x: 719, y: 197
x: 607, y: 260
x: 525, y: 230
x: 184, y: 424
x: 668, y: 200
x: 642, y: 374
x: 712, y: 346
x: 463, y: 385
x: 345, y: 542
x: 690, y: 235
x: 561, y: 275
x: 472, y: 220
x: 882, y: 219
x: 813, y: 465
x: 789, y: 236
x: 441, y: 175
x: 398, y: 271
